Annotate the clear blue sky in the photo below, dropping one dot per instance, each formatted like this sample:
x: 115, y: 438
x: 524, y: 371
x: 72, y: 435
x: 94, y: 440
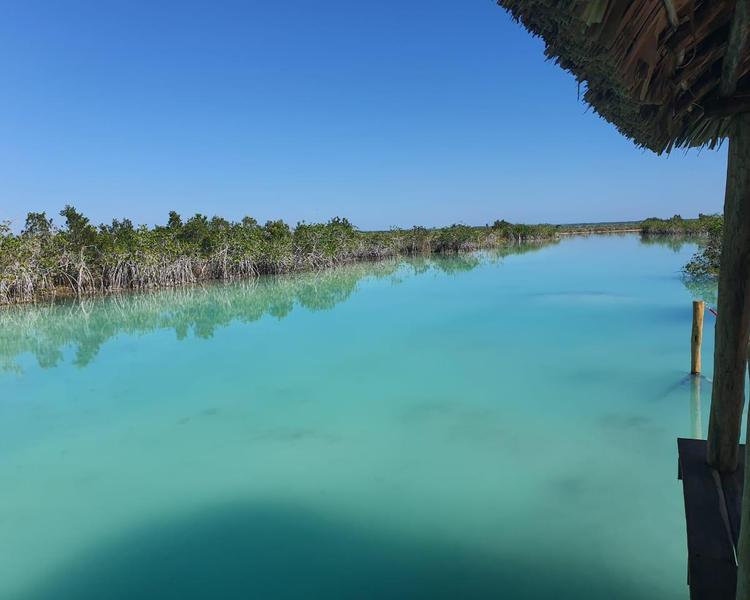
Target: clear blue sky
x: 394, y: 112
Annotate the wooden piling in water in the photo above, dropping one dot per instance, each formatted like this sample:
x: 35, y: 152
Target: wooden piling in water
x: 699, y: 308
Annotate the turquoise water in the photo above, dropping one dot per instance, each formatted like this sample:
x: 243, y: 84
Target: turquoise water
x: 475, y: 427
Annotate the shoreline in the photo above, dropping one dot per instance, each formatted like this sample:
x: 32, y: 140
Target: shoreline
x: 301, y: 265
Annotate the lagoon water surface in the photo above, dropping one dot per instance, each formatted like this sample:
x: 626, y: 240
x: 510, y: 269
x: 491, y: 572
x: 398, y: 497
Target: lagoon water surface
x: 482, y: 426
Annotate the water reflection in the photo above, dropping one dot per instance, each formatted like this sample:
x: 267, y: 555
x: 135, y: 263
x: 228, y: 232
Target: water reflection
x: 45, y: 331
x: 702, y: 289
x: 696, y: 425
x: 674, y: 242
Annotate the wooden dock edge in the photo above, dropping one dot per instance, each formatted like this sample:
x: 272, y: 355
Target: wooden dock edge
x: 712, y: 516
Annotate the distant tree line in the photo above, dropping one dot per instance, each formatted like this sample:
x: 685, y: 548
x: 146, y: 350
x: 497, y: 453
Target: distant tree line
x: 80, y: 258
x: 676, y: 225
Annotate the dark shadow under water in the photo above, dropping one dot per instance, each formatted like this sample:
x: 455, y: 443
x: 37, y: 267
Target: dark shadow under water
x: 269, y: 552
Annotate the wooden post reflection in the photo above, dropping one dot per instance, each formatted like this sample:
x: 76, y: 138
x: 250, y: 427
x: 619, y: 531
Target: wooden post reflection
x: 696, y: 425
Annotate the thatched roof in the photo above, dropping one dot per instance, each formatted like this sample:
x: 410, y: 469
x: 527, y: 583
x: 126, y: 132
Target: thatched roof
x: 651, y: 67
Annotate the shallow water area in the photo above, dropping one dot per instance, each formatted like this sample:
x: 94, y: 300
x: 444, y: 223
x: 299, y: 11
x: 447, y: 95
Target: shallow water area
x: 493, y: 425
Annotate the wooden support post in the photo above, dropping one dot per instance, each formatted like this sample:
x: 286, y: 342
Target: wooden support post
x: 743, y: 541
x: 733, y: 320
x: 696, y: 339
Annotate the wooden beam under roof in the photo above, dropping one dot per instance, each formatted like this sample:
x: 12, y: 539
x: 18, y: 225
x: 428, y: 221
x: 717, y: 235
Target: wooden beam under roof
x: 671, y: 13
x: 727, y: 107
x: 735, y: 48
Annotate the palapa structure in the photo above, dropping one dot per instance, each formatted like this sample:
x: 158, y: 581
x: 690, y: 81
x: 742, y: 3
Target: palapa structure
x: 669, y: 74
x: 651, y: 67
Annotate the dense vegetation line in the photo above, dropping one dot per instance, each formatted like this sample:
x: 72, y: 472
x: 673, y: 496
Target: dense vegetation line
x: 80, y: 259
x: 679, y: 226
